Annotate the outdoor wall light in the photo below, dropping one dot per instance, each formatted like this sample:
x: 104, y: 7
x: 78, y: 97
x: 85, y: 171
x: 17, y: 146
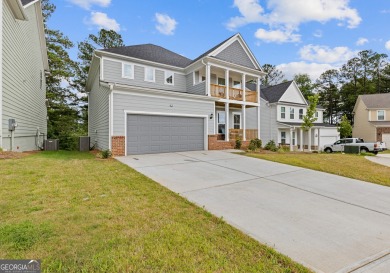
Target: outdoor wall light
x: 211, y: 116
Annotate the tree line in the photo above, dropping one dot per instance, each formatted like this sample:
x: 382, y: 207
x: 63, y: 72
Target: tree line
x: 338, y: 89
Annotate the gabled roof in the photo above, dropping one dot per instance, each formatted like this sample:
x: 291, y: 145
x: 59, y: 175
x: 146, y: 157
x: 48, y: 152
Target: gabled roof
x: 275, y: 92
x: 151, y: 53
x: 212, y: 49
x: 26, y: 2
x: 376, y: 101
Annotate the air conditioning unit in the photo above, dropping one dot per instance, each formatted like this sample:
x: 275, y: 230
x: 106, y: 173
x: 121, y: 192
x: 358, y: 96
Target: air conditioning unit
x: 84, y: 144
x: 51, y: 144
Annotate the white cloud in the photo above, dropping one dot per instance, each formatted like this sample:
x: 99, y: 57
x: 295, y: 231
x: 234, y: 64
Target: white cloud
x: 165, y: 24
x: 287, y: 15
x: 86, y: 4
x: 318, y: 33
x: 325, y: 54
x: 314, y: 70
x: 101, y: 20
x: 277, y: 36
x: 361, y: 41
x: 387, y: 45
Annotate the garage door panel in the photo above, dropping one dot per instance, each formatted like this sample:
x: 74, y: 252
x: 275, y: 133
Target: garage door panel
x: 158, y: 134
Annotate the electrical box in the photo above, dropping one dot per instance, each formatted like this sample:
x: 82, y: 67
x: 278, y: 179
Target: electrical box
x: 84, y: 144
x: 12, y: 124
x: 51, y: 144
x: 351, y: 149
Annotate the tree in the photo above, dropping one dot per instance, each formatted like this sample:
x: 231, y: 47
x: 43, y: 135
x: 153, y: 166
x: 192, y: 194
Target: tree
x: 305, y: 84
x: 63, y: 116
x: 328, y: 88
x: 345, y: 127
x: 310, y: 118
x: 273, y: 76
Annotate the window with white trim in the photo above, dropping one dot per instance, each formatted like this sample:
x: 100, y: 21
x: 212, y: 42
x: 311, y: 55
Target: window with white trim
x: 169, y: 77
x: 283, y: 112
x: 127, y: 70
x: 300, y: 113
x: 316, y: 114
x: 221, y: 81
x: 381, y: 114
x: 283, y: 138
x: 292, y: 114
x: 149, y: 74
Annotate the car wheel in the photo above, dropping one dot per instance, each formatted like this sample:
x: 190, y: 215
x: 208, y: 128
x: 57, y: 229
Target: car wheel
x: 364, y: 150
x: 376, y: 152
x: 328, y: 150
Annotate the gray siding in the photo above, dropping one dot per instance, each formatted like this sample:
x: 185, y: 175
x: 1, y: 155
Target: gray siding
x: 268, y: 123
x: 98, y: 125
x: 198, y: 89
x: 24, y: 93
x: 236, y: 54
x: 132, y: 102
x: 113, y: 73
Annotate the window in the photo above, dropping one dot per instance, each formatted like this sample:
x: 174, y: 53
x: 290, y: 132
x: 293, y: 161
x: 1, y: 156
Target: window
x: 381, y: 115
x: 348, y: 140
x: 293, y: 138
x: 149, y: 74
x: 221, y: 122
x: 221, y: 81
x: 283, y: 112
x: 203, y: 78
x: 237, y: 84
x: 169, y: 77
x: 283, y: 137
x: 237, y: 121
x: 316, y: 114
x: 127, y: 71
x: 300, y: 113
x: 292, y: 115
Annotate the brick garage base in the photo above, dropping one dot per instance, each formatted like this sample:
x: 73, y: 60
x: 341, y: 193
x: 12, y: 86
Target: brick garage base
x: 215, y: 144
x: 380, y: 131
x: 118, y: 145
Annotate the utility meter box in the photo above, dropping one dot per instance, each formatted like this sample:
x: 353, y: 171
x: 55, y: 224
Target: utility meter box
x: 12, y: 124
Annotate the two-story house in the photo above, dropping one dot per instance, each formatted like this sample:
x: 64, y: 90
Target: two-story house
x: 147, y: 99
x: 282, y: 109
x: 23, y: 114
x: 372, y: 118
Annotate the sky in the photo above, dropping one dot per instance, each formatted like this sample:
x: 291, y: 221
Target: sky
x: 298, y: 36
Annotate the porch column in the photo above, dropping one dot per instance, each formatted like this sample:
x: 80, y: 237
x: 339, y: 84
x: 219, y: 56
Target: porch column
x: 301, y: 139
x: 243, y: 122
x: 227, y: 121
x: 208, y: 79
x: 319, y: 142
x: 243, y: 87
x: 309, y: 139
x: 258, y: 90
x: 227, y: 83
x: 291, y: 139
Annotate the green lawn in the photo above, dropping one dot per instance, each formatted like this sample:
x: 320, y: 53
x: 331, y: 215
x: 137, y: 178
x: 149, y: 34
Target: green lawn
x: 81, y: 214
x: 353, y: 166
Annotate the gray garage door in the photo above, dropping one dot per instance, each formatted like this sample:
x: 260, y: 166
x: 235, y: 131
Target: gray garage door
x: 147, y: 134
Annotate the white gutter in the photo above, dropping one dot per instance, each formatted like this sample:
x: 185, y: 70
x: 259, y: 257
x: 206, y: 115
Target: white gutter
x: 1, y: 76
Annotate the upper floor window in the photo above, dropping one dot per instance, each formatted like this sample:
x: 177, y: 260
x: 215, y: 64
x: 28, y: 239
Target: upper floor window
x: 149, y: 74
x: 221, y: 81
x: 316, y: 114
x: 127, y: 70
x: 237, y: 84
x: 169, y: 77
x: 292, y: 115
x: 381, y: 115
x: 300, y: 113
x: 282, y: 112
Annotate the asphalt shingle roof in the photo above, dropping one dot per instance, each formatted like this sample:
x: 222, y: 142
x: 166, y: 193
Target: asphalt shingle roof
x: 26, y: 2
x: 376, y: 101
x: 275, y: 92
x: 152, y: 53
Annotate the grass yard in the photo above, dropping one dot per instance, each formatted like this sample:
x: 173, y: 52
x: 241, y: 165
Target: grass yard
x: 81, y: 214
x: 353, y: 166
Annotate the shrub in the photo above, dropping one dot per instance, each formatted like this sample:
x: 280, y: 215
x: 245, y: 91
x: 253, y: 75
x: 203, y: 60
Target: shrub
x: 257, y: 142
x: 254, y: 144
x: 284, y: 149
x: 271, y: 146
x: 105, y: 154
x: 238, y: 144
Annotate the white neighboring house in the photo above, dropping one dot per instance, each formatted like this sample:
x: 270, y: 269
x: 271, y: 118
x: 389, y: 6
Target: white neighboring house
x: 22, y: 79
x: 282, y: 109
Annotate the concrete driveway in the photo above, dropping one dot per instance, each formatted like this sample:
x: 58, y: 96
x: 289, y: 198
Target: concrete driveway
x: 383, y: 159
x: 326, y: 222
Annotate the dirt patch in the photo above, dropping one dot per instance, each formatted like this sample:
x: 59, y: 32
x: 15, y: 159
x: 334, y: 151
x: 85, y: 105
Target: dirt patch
x: 15, y: 155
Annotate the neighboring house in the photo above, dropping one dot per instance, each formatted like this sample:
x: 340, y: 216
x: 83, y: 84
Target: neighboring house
x: 282, y: 109
x: 147, y: 99
x: 22, y: 81
x: 372, y: 118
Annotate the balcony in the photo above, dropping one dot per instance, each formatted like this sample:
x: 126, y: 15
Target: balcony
x: 219, y: 91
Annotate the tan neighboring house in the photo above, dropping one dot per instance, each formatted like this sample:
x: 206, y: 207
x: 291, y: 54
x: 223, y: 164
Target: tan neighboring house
x: 372, y: 118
